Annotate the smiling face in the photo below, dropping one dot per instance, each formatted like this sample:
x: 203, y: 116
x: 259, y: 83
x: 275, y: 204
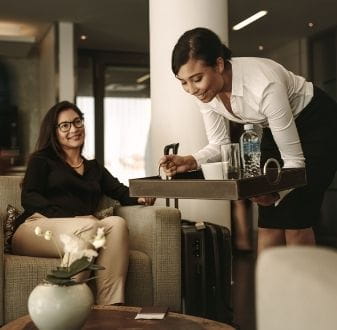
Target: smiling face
x: 201, y: 80
x: 74, y: 137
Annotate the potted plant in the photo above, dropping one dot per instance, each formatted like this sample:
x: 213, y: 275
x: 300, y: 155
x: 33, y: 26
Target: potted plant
x: 61, y: 301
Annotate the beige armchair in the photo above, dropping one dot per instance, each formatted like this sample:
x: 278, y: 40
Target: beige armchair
x: 154, y: 270
x: 296, y: 289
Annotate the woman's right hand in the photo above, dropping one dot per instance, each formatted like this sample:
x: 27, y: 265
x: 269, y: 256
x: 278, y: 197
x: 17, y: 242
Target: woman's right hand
x: 173, y: 164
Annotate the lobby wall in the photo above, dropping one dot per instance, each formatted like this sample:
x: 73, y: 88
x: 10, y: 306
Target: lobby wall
x: 24, y: 94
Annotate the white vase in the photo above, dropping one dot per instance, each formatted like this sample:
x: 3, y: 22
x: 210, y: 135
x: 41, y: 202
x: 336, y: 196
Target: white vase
x: 55, y: 307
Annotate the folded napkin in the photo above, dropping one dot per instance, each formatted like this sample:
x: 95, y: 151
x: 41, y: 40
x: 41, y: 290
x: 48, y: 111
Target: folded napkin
x: 152, y: 313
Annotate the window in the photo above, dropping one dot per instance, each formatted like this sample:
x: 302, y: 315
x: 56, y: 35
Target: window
x: 125, y: 113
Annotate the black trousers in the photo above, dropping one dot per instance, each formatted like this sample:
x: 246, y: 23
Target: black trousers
x: 317, y: 128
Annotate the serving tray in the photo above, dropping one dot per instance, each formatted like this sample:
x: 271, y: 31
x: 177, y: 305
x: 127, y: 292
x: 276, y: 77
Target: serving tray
x: 192, y: 185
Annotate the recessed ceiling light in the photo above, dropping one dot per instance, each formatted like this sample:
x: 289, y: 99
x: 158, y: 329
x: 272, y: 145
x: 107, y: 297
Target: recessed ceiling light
x: 311, y: 24
x: 143, y: 78
x: 17, y: 29
x: 10, y: 29
x: 83, y: 37
x: 250, y: 20
x: 260, y: 47
x: 125, y: 87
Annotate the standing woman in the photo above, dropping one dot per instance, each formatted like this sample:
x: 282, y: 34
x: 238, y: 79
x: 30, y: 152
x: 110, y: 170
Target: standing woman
x: 61, y: 191
x: 299, y: 122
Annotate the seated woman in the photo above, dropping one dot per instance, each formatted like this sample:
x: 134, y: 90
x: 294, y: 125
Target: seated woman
x: 61, y: 191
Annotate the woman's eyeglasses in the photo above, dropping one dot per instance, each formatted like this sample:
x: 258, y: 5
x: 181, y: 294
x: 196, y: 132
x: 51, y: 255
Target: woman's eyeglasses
x: 66, y: 125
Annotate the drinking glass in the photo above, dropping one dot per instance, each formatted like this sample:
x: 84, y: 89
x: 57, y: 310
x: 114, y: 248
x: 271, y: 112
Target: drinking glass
x: 230, y: 155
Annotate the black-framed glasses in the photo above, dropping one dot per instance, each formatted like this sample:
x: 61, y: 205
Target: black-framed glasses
x: 66, y: 125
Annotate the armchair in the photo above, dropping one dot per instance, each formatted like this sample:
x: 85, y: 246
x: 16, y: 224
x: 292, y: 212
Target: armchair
x: 154, y: 270
x: 296, y: 288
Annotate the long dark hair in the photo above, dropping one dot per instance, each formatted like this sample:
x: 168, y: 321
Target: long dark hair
x: 47, y: 137
x: 201, y: 44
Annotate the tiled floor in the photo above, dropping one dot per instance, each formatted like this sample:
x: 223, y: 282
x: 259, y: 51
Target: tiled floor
x: 243, y: 291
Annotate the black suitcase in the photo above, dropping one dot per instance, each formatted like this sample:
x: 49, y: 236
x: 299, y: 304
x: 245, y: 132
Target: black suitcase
x: 206, y: 271
x: 206, y: 267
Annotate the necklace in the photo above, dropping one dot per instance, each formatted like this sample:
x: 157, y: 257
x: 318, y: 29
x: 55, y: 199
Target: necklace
x: 78, y: 165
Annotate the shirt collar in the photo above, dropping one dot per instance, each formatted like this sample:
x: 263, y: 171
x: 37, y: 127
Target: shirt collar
x: 237, y: 79
x: 213, y: 103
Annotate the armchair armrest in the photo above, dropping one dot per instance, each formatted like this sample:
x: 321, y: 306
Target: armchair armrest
x: 156, y: 231
x: 9, y: 194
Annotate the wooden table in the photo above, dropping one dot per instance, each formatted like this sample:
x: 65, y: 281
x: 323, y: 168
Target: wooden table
x: 122, y: 317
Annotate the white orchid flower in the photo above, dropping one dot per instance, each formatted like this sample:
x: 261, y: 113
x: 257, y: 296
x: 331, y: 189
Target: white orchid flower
x: 75, y: 248
x: 89, y: 253
x: 73, y: 243
x: 38, y: 231
x: 99, y: 240
x: 48, y: 235
x: 100, y: 233
x: 68, y: 259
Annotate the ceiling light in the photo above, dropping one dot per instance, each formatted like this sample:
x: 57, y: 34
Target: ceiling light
x: 9, y: 29
x: 13, y: 30
x: 143, y: 78
x: 311, y: 24
x: 17, y: 39
x: 125, y: 87
x: 250, y: 20
x: 83, y: 37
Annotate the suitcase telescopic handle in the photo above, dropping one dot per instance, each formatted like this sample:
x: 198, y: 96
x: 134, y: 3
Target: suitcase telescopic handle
x: 173, y: 146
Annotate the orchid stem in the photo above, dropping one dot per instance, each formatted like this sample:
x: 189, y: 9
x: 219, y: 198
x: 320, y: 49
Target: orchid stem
x: 58, y: 249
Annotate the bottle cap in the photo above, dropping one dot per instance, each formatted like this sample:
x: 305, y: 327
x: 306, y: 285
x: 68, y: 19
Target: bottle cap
x: 246, y: 127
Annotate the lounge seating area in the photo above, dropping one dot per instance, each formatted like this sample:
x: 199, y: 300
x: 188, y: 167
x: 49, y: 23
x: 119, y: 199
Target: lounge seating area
x: 153, y: 275
x: 292, y: 291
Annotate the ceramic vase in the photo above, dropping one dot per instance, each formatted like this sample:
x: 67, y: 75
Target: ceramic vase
x: 55, y: 307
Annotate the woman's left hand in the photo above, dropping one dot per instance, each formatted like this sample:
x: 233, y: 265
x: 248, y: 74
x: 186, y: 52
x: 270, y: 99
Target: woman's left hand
x: 146, y: 200
x: 266, y: 200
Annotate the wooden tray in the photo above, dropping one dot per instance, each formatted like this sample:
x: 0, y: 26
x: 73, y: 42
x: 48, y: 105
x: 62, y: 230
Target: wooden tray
x: 192, y: 185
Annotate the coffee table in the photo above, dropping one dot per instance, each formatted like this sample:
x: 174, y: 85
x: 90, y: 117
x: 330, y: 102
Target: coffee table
x: 122, y: 317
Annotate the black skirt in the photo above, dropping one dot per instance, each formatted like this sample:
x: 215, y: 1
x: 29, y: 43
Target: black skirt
x: 317, y: 128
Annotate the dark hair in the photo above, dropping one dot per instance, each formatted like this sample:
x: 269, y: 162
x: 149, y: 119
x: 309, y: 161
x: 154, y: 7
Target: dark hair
x: 201, y: 44
x: 47, y: 137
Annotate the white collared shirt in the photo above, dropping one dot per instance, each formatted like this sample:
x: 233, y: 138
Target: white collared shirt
x: 263, y: 93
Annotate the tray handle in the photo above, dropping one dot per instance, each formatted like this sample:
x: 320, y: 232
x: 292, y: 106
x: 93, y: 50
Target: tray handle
x: 278, y: 178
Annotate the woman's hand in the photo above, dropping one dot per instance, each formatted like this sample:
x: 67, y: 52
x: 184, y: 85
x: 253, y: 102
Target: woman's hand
x: 146, y: 201
x: 173, y: 164
x: 266, y: 200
